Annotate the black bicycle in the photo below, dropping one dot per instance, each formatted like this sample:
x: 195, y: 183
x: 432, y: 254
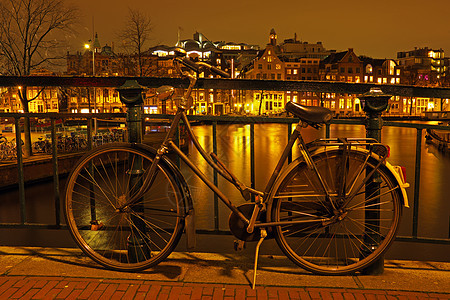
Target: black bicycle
x: 333, y: 210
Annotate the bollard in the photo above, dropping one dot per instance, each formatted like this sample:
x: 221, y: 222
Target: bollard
x: 130, y: 94
x: 374, y: 103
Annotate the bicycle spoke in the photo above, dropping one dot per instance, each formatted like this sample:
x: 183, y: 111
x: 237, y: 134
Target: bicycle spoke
x: 135, y: 236
x: 343, y: 243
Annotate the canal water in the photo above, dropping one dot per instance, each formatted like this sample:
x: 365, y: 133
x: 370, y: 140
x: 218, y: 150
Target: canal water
x: 234, y: 151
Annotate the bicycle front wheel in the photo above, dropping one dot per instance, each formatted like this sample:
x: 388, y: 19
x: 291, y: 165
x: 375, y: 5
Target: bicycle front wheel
x: 346, y: 229
x: 119, y: 236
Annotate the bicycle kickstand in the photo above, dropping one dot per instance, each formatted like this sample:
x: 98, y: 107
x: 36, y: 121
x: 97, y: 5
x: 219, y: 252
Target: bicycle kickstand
x: 263, y: 236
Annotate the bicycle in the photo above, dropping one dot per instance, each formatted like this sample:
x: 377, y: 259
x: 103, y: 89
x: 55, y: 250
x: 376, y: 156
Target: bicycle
x: 333, y: 210
x: 43, y: 145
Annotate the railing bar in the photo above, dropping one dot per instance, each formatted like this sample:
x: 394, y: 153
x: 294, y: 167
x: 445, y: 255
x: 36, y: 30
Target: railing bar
x: 55, y: 174
x: 216, y: 179
x: 417, y: 183
x: 177, y: 142
x: 21, y: 176
x: 89, y: 133
x: 252, y: 158
x: 288, y: 137
x: 435, y: 241
x: 327, y: 131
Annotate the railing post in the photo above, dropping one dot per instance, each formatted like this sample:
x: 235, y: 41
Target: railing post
x: 55, y: 173
x: 21, y: 179
x: 374, y: 103
x: 130, y: 93
x: 216, y: 179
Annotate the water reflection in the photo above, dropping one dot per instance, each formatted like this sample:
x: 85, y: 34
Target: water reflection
x: 270, y: 139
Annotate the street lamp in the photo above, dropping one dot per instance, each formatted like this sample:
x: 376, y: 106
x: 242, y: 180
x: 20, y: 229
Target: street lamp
x: 88, y: 46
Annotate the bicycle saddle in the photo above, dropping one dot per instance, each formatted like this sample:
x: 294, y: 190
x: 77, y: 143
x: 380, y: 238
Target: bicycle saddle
x: 310, y: 114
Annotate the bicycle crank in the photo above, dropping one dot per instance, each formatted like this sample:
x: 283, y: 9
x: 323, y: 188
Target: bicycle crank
x: 239, y: 228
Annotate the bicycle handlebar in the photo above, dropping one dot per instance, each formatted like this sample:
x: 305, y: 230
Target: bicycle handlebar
x: 196, y: 66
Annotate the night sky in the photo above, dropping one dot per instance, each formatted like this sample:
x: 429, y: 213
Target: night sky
x: 379, y: 29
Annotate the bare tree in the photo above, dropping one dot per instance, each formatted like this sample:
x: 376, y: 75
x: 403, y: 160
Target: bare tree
x: 135, y: 35
x: 30, y: 37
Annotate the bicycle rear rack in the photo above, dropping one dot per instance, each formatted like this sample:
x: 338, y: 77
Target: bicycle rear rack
x: 369, y: 143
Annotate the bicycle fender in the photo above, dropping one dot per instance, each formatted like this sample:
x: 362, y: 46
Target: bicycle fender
x: 189, y: 220
x: 398, y: 174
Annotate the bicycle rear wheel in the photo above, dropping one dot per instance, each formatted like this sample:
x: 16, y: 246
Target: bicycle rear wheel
x: 346, y: 231
x: 139, y: 235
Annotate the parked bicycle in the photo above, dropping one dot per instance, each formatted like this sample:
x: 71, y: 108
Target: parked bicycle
x: 43, y: 145
x: 8, y: 149
x: 333, y: 210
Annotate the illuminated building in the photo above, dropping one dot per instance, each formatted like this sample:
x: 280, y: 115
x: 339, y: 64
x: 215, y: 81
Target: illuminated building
x: 42, y: 99
x: 423, y: 67
x: 228, y: 56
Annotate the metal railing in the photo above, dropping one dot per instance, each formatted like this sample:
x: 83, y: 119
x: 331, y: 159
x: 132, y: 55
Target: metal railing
x: 55, y: 157
x: 211, y: 84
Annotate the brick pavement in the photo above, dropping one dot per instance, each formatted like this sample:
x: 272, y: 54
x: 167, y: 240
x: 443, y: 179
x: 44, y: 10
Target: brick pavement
x: 40, y: 287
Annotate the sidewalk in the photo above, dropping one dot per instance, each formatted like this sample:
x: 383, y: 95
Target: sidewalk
x: 60, y: 273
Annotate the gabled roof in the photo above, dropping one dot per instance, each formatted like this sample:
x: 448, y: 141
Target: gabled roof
x: 334, y: 58
x: 372, y: 61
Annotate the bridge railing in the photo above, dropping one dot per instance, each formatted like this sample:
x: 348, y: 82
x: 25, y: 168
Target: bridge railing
x: 335, y: 87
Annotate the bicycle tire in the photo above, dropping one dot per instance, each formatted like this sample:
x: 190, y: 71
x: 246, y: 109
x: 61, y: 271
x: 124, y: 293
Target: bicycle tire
x: 141, y: 235
x: 355, y: 237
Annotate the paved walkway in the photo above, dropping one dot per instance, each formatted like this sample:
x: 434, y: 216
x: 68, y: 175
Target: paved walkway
x: 60, y: 273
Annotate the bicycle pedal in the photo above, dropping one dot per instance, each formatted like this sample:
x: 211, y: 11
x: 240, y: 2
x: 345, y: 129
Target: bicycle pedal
x: 239, y: 245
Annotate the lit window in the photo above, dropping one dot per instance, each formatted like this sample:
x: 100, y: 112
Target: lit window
x: 384, y: 80
x: 295, y: 71
x: 278, y: 67
x: 349, y: 103
x: 379, y: 80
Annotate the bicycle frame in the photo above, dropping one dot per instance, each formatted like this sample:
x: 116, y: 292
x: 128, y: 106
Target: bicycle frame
x: 246, y: 191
